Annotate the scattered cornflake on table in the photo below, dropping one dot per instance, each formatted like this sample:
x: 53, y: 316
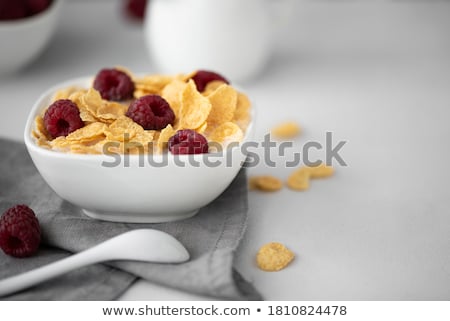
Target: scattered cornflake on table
x: 321, y: 171
x: 299, y: 179
x: 265, y: 183
x: 286, y: 130
x: 273, y: 257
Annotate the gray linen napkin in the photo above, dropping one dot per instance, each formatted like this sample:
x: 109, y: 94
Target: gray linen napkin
x: 211, y: 237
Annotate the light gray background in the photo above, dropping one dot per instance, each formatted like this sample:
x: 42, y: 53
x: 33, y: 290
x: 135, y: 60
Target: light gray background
x: 376, y: 74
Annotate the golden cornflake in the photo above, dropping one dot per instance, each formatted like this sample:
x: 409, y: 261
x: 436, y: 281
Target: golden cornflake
x: 138, y: 93
x: 223, y: 105
x: 286, y: 130
x: 40, y: 133
x: 299, y: 180
x: 186, y: 77
x: 227, y: 133
x: 40, y: 130
x: 212, y: 86
x: 85, y: 114
x: 164, y: 137
x: 242, y: 113
x: 84, y: 149
x: 152, y: 84
x: 60, y: 143
x: 273, y: 257
x: 202, y: 128
x: 92, y: 107
x: 110, y: 110
x: 91, y: 100
x: 265, y: 183
x: 65, y: 92
x: 123, y: 129
x: 172, y: 94
x: 321, y: 171
x: 41, y: 141
x: 194, y: 108
x: 145, y: 137
x: 88, y: 133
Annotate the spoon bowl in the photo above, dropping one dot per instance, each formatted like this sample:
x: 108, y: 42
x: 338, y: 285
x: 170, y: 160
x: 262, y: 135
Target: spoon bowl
x: 150, y: 246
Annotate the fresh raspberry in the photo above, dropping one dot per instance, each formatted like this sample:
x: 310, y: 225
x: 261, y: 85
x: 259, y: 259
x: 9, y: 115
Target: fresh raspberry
x: 151, y: 112
x: 114, y: 84
x: 20, y: 233
x: 135, y: 8
x: 62, y: 117
x: 188, y: 141
x: 11, y: 10
x: 203, y: 77
x: 36, y: 6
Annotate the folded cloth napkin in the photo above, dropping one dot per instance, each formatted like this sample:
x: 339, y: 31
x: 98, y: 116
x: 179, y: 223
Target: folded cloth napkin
x: 211, y: 237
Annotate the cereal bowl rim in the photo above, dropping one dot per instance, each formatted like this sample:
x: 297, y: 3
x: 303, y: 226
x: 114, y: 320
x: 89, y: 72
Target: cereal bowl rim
x: 38, y: 107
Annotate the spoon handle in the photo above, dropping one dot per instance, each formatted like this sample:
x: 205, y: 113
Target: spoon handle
x: 46, y: 272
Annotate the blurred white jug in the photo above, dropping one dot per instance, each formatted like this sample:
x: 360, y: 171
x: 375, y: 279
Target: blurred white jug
x: 232, y: 37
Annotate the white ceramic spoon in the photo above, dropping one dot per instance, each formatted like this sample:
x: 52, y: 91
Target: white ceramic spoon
x: 137, y: 245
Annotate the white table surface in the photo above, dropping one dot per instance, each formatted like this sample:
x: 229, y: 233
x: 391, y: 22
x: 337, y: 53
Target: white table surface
x: 376, y: 74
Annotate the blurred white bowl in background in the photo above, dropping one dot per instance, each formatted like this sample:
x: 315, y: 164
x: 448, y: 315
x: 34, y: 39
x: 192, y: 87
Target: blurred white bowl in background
x: 24, y: 39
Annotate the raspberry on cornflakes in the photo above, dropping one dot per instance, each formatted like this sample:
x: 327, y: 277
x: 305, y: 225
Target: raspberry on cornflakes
x: 219, y: 113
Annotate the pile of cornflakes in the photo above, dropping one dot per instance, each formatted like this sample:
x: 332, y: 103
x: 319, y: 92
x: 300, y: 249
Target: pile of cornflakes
x: 220, y: 113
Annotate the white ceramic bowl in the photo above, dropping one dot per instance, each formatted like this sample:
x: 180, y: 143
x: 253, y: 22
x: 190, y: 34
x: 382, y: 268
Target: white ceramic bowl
x: 22, y: 40
x: 139, y: 192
